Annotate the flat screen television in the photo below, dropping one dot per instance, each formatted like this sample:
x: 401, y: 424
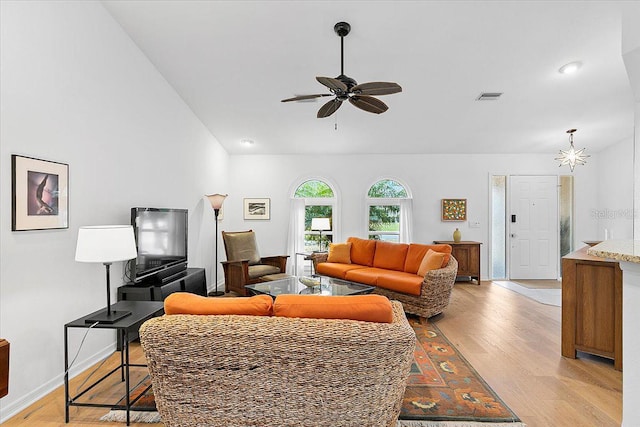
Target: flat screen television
x: 161, y: 241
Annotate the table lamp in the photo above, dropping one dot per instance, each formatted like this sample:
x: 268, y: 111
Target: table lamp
x: 216, y: 201
x: 106, y: 244
x: 320, y: 224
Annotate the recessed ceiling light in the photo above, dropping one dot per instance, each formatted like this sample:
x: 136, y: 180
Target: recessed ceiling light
x: 570, y: 68
x: 247, y: 142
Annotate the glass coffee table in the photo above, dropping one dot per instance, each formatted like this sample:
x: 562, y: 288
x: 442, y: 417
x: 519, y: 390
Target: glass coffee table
x: 319, y: 285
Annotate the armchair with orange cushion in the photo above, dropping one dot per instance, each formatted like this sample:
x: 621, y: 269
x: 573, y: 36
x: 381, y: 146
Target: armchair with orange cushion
x: 420, y: 276
x: 244, y: 265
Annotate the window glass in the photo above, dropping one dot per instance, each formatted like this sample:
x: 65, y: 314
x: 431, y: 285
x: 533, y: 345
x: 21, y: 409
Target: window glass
x: 319, y: 203
x: 384, y: 210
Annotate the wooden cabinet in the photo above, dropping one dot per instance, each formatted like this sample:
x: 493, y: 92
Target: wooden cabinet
x: 467, y: 254
x: 591, y: 306
x: 4, y: 367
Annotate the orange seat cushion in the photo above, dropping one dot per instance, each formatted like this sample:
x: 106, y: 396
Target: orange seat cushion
x: 340, y: 252
x: 334, y: 269
x: 416, y: 254
x: 431, y: 261
x: 362, y: 251
x: 188, y: 303
x: 368, y: 276
x: 390, y: 256
x: 368, y: 308
x: 399, y: 281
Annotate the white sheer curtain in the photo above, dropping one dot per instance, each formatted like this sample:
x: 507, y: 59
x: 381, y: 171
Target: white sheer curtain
x: 295, y: 239
x: 406, y: 220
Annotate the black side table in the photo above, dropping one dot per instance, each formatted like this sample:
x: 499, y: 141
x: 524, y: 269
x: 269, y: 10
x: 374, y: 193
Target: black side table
x: 141, y: 311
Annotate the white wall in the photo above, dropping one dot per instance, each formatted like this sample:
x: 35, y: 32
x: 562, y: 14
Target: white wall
x: 615, y: 192
x: 430, y: 178
x: 75, y: 89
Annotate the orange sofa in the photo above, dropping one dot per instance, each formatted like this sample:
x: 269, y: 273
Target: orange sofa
x: 393, y: 269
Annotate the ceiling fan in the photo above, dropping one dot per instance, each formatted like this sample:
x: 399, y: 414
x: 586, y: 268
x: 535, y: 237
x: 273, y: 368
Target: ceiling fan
x: 345, y: 88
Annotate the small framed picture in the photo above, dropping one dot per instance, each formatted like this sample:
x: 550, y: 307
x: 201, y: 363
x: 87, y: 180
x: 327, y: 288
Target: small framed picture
x: 454, y: 209
x: 257, y: 208
x: 39, y: 194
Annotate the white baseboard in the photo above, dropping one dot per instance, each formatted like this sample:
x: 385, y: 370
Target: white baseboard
x: 8, y: 411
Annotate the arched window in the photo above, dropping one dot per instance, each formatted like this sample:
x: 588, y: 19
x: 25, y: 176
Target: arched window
x: 319, y: 202
x: 389, y: 211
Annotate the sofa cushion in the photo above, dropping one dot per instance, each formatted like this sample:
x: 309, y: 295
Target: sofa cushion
x: 368, y: 275
x: 417, y: 252
x: 362, y: 251
x: 431, y: 261
x: 368, y: 308
x: 340, y: 252
x: 390, y: 256
x: 188, y: 303
x: 259, y: 270
x: 334, y: 269
x: 400, y: 281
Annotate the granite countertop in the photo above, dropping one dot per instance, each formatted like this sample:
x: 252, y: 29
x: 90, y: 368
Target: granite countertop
x: 620, y: 250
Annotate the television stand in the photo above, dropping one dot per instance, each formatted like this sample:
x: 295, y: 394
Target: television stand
x: 190, y: 280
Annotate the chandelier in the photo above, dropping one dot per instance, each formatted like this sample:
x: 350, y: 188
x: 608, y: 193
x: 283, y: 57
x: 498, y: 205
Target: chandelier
x: 572, y: 157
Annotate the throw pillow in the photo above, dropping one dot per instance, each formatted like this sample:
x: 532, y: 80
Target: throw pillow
x: 340, y: 252
x: 188, y: 303
x: 431, y: 261
x: 368, y: 308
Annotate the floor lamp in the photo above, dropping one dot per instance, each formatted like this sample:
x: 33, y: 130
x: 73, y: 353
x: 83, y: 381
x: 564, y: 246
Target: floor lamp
x: 320, y: 224
x: 216, y: 201
x: 106, y: 244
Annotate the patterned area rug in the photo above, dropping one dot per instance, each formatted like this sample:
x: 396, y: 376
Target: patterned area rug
x: 444, y: 390
x: 142, y: 411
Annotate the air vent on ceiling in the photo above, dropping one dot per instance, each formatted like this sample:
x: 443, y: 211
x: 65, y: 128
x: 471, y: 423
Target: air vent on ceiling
x: 489, y: 96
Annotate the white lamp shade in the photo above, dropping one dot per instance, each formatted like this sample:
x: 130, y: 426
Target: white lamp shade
x: 320, y: 224
x: 216, y: 200
x: 105, y: 243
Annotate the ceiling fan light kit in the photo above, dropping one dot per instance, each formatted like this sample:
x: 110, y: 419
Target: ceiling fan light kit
x: 345, y: 88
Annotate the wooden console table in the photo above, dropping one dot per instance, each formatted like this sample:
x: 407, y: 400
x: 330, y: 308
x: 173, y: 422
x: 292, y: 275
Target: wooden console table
x: 591, y: 306
x: 467, y: 253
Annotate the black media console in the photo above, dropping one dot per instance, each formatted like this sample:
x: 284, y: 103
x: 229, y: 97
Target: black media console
x: 189, y: 280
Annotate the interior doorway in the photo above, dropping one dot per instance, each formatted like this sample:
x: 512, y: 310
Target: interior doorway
x: 530, y: 244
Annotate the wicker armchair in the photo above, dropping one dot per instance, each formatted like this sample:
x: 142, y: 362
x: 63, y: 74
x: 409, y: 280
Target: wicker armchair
x: 244, y: 265
x: 435, y: 291
x: 275, y: 371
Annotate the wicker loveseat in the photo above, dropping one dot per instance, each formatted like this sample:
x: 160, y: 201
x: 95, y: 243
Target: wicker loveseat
x: 238, y: 370
x: 392, y: 268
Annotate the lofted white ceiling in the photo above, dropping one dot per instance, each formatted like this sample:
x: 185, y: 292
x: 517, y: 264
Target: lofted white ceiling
x: 233, y: 61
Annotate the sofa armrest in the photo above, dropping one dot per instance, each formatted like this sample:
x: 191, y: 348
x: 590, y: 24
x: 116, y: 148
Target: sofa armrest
x: 317, y: 258
x: 440, y: 281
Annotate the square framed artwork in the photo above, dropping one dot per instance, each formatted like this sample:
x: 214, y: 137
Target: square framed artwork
x: 39, y: 194
x: 257, y: 208
x: 454, y: 209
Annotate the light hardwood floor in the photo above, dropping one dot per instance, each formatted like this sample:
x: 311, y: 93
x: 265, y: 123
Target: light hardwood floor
x: 512, y: 341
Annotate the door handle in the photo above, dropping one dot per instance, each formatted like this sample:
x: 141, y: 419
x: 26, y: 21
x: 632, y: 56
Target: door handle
x: 513, y: 235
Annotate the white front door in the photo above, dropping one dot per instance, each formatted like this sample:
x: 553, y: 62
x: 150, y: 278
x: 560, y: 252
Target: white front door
x: 533, y: 227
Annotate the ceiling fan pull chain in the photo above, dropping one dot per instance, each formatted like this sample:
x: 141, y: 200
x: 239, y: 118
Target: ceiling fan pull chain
x: 336, y: 124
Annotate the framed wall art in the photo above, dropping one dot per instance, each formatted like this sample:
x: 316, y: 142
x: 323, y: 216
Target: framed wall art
x: 454, y: 209
x: 257, y: 208
x: 39, y: 194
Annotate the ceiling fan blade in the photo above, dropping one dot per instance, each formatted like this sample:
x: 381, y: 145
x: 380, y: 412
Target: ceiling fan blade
x: 329, y: 108
x: 376, y: 88
x: 303, y: 97
x: 334, y: 84
x: 369, y: 104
